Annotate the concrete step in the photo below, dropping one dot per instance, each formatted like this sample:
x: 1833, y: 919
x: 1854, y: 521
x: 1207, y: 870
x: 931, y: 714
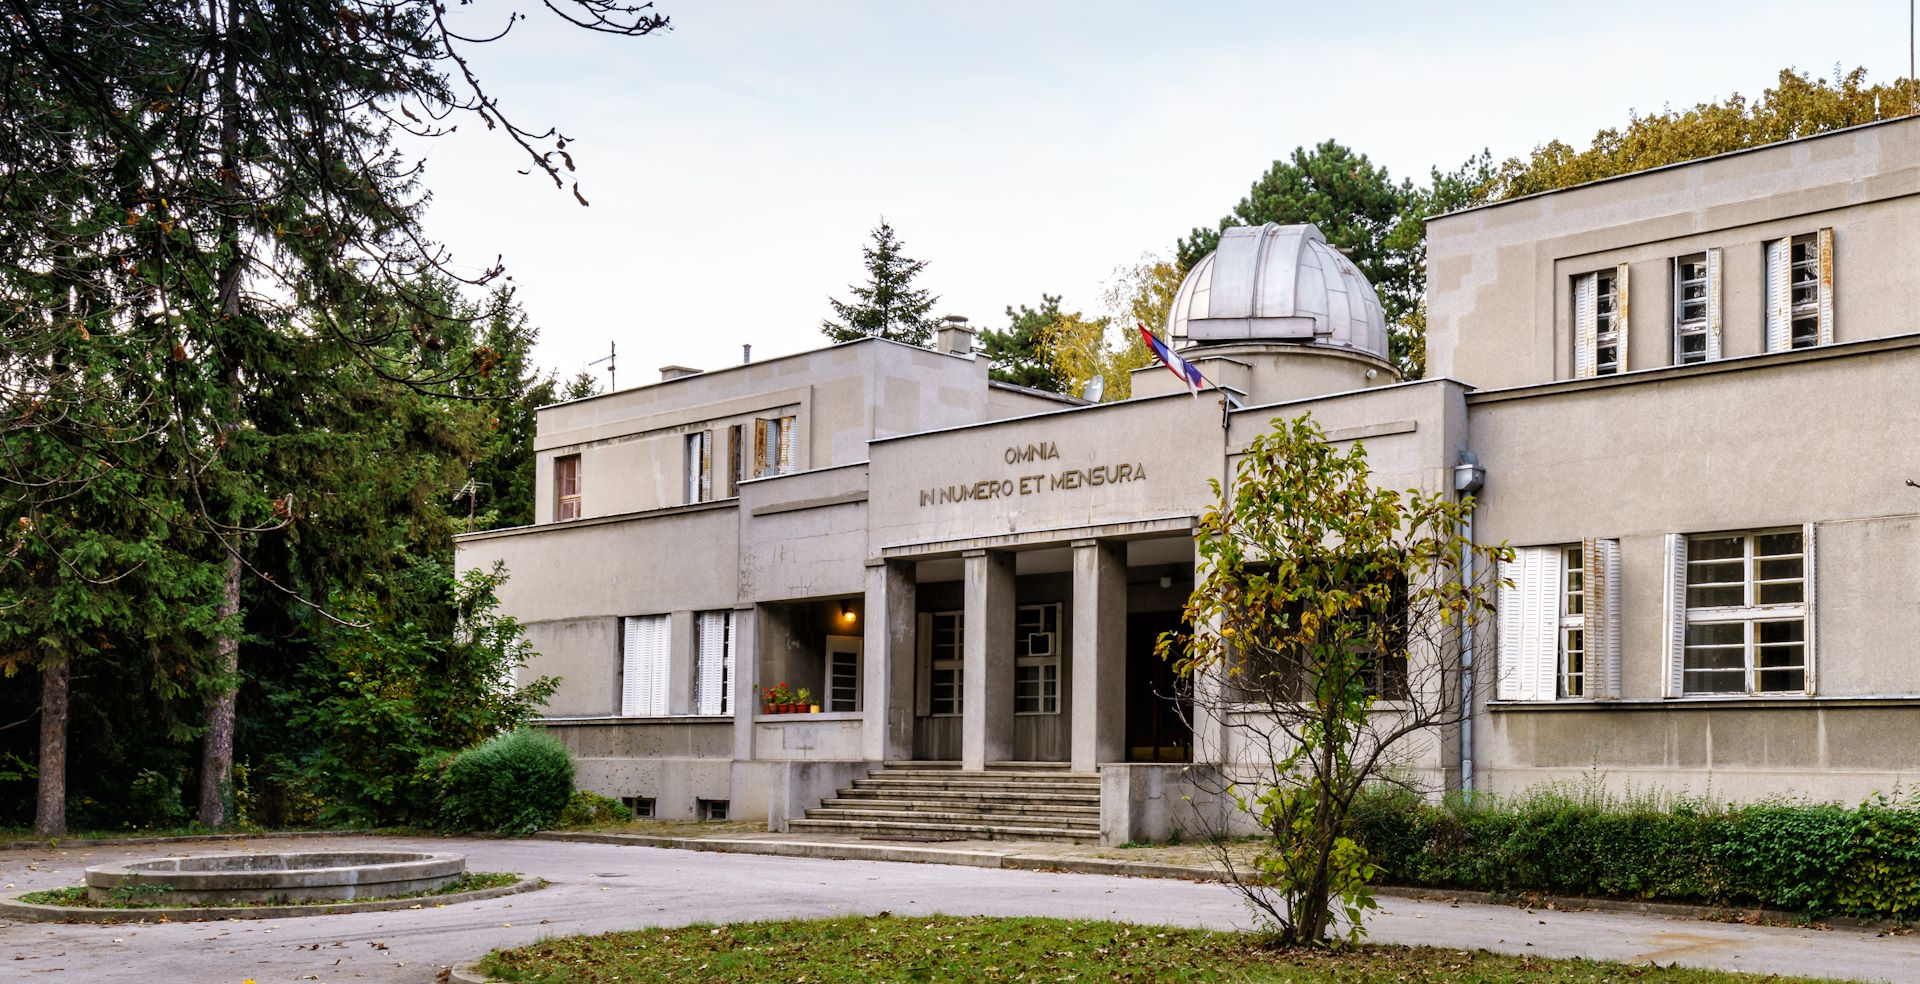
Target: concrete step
x: 992, y: 775
x: 953, y: 831
x: 976, y: 785
x: 918, y: 817
x: 969, y: 803
x: 1015, y: 795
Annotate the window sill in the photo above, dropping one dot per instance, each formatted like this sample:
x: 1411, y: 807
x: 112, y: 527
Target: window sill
x: 804, y: 718
x: 1702, y: 703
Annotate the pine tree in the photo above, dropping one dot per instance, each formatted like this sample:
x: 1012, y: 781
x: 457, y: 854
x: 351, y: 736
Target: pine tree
x: 888, y: 306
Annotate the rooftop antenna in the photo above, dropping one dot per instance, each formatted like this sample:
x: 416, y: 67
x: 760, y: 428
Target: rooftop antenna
x: 1096, y: 388
x: 612, y: 350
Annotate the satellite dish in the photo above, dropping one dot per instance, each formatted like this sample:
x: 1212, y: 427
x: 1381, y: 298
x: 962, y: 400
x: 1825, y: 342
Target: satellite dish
x: 1095, y: 387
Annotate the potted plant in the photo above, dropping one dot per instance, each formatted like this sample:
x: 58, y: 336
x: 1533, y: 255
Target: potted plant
x: 803, y: 702
x: 779, y: 699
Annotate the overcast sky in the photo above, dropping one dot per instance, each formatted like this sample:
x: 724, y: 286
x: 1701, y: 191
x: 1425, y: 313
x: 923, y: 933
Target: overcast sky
x: 737, y: 163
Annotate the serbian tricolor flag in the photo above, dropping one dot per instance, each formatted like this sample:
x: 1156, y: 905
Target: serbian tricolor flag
x: 1179, y: 367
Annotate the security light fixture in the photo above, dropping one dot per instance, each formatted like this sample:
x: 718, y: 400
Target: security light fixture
x: 846, y: 612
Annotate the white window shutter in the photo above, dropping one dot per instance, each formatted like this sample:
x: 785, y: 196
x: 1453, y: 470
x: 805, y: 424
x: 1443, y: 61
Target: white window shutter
x: 1621, y: 322
x: 710, y: 660
x: 786, y: 445
x: 726, y: 696
x: 1585, y: 323
x: 1779, y: 295
x: 706, y: 465
x: 1810, y: 573
x: 1528, y: 625
x: 1600, y: 616
x: 1674, y: 647
x: 693, y: 468
x: 923, y: 679
x: 1825, y: 270
x: 643, y: 683
x: 632, y: 674
x: 1713, y: 305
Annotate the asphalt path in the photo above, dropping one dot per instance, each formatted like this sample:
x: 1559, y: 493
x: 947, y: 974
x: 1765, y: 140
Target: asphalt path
x: 605, y: 887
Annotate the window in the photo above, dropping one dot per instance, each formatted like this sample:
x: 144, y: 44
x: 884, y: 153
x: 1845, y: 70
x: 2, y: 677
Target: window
x: 713, y: 660
x: 1282, y: 669
x: 713, y: 809
x: 700, y: 466
x: 1600, y: 322
x: 1741, y: 608
x: 773, y: 446
x: 941, y: 651
x: 566, y: 481
x: 1036, y: 659
x: 1558, y: 623
x: 642, y: 806
x: 843, y: 673
x: 1696, y: 308
x: 1800, y: 291
x: 647, y: 650
x: 736, y: 440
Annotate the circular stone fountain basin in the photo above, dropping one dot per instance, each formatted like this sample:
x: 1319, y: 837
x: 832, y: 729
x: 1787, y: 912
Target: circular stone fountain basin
x: 238, y: 879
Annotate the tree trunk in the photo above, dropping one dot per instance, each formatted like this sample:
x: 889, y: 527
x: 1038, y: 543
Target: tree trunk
x: 216, y: 759
x: 50, y: 814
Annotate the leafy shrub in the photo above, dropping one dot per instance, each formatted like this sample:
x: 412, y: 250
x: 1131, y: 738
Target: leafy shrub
x: 514, y: 784
x: 1813, y: 858
x: 153, y: 800
x: 587, y: 809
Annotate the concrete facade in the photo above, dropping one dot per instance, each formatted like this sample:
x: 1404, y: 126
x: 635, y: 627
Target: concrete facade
x: 966, y: 572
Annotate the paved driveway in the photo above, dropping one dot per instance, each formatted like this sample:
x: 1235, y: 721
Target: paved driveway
x: 603, y: 887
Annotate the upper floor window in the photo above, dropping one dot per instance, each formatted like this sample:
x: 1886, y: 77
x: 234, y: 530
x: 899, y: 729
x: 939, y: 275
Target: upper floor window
x: 700, y: 466
x: 566, y: 481
x: 1558, y: 624
x: 1740, y: 612
x: 1800, y: 291
x: 773, y: 439
x: 736, y: 441
x: 1696, y: 308
x: 1600, y: 322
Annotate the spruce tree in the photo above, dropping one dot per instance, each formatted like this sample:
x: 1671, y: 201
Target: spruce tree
x: 888, y: 306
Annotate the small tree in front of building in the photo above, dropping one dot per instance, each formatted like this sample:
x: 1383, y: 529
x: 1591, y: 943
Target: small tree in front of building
x: 1330, y: 619
x: 887, y: 305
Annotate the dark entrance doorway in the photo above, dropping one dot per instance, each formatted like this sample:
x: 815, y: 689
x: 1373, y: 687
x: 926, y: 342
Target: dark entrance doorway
x: 1158, y: 705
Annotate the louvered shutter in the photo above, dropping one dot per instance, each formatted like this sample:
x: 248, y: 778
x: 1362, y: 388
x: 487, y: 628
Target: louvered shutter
x: 1528, y: 625
x: 1810, y: 572
x: 1620, y: 319
x: 923, y: 660
x: 760, y: 446
x: 1779, y: 295
x: 1600, y: 616
x: 643, y: 685
x: 786, y: 445
x: 711, y: 658
x: 1713, y: 304
x: 1585, y: 323
x: 1825, y: 270
x: 1674, y: 646
x: 706, y: 465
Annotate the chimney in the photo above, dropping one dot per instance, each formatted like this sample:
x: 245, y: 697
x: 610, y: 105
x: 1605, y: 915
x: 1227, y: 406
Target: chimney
x: 746, y: 354
x: 953, y: 336
x: 675, y: 372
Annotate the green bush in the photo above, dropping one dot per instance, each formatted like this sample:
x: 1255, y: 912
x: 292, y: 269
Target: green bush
x: 516, y: 783
x: 586, y: 809
x: 1804, y: 857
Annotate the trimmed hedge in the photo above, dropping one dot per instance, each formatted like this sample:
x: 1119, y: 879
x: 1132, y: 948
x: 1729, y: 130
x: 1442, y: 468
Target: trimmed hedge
x: 516, y: 783
x: 1811, y: 858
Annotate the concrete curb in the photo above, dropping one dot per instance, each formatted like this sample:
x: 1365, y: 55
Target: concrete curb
x: 13, y: 908
x: 466, y: 974
x: 1146, y: 869
x: 69, y: 843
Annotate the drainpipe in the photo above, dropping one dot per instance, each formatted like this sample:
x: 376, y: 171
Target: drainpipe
x: 1468, y: 477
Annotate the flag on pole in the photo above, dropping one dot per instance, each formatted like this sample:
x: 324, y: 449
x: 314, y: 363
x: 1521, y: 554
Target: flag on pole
x: 1187, y: 372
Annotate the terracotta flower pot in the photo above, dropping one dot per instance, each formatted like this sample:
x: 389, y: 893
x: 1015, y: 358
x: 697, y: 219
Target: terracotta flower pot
x: 766, y: 708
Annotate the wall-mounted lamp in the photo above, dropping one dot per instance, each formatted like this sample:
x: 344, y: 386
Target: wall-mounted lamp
x: 846, y: 612
x: 1166, y: 580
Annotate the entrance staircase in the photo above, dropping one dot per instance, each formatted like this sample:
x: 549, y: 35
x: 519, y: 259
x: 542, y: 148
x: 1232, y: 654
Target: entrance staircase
x: 930, y: 802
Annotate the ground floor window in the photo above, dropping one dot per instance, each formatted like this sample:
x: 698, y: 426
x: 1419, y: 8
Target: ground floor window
x: 942, y: 649
x: 843, y: 673
x: 713, y: 651
x: 1742, y: 612
x: 1036, y: 659
x: 646, y: 644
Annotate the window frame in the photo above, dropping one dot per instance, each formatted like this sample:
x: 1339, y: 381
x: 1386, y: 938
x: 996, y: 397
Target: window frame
x: 1705, y: 326
x: 704, y: 624
x: 566, y: 507
x: 848, y: 650
x: 1797, y: 324
x: 1043, y: 701
x: 646, y: 665
x: 956, y: 663
x: 1571, y: 683
x: 699, y: 467
x: 1750, y: 614
x: 1601, y: 321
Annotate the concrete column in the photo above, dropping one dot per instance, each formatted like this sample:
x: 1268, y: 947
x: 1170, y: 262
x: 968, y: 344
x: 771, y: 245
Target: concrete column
x: 746, y: 679
x: 887, y: 681
x: 1099, y: 654
x: 986, y: 719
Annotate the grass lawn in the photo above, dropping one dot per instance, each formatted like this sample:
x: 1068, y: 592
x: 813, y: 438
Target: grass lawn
x: 943, y: 948
x: 76, y: 896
